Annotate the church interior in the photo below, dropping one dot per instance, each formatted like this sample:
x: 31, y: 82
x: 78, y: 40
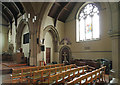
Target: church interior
x: 60, y: 43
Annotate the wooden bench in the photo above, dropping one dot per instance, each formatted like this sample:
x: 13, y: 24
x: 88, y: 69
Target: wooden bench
x: 13, y: 64
x: 63, y: 76
x: 44, y: 74
x: 21, y: 74
x: 90, y: 77
x: 42, y: 63
x: 51, y: 66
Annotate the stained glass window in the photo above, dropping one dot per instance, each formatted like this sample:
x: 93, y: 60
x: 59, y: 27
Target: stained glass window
x: 88, y: 23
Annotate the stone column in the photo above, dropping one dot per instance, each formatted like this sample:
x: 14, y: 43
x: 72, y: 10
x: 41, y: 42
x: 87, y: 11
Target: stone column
x: 31, y: 56
x: 119, y: 42
x: 115, y: 35
x: 33, y: 46
x: 1, y: 47
x: 116, y: 56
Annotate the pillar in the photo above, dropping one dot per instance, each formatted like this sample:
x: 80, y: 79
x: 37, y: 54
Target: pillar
x: 116, y: 56
x: 33, y: 45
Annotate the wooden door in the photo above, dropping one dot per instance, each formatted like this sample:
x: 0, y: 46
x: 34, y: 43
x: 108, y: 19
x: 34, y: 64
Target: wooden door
x: 48, y: 51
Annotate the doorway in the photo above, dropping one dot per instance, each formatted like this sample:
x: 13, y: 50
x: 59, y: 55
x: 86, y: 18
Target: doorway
x: 48, y: 51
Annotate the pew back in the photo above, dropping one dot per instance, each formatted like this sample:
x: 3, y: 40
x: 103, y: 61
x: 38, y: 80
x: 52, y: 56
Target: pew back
x: 21, y: 74
x: 63, y: 76
x: 89, y: 77
x: 46, y: 73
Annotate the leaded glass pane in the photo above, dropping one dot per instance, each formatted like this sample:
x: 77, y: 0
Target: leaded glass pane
x: 88, y: 27
x: 88, y: 23
x: 82, y: 30
x: 96, y: 26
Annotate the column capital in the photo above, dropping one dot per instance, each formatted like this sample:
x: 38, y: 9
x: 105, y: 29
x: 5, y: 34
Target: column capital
x: 117, y: 34
x: 32, y: 33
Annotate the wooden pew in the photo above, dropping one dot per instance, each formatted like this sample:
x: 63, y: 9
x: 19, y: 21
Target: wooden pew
x: 63, y: 76
x: 51, y: 66
x: 21, y: 74
x: 102, y: 72
x: 44, y: 74
x: 90, y: 77
x: 16, y: 76
x: 13, y: 64
x: 42, y: 63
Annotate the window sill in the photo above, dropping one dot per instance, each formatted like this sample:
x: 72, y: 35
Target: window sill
x: 88, y: 40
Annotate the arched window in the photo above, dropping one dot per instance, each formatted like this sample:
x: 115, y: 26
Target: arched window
x: 87, y: 26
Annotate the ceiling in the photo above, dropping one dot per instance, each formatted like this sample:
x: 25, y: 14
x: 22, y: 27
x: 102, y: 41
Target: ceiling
x: 13, y: 10
x: 61, y: 10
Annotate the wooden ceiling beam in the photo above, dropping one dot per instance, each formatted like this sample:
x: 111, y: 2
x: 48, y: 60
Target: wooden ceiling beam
x: 20, y: 7
x: 60, y: 13
x: 4, y: 16
x: 66, y: 9
x: 16, y: 7
x: 11, y: 8
x: 56, y: 3
x: 9, y: 11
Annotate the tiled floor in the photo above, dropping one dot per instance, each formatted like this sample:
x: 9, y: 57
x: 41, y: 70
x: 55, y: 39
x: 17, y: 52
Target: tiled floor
x: 6, y: 78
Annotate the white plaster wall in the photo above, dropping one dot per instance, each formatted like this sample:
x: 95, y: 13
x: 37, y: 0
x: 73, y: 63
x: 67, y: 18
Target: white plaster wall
x: 48, y: 21
x: 14, y: 35
x: 25, y: 46
x: 4, y: 36
x: 115, y: 16
x: 19, y: 19
x: 60, y: 29
x: 49, y: 44
x: 59, y: 26
x: 56, y: 56
x: 98, y: 49
x: 4, y: 39
x: 1, y: 39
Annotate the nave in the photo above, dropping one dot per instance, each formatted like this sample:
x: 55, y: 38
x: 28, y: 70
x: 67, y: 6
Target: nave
x: 60, y: 34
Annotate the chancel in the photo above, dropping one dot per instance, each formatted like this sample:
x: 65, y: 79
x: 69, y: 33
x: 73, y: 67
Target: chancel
x: 60, y: 42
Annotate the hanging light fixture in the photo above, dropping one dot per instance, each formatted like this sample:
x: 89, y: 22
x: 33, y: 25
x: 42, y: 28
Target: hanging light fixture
x: 28, y: 17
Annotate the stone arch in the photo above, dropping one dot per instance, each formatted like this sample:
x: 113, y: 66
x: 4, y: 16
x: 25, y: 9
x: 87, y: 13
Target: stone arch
x: 54, y: 34
x: 84, y: 4
x: 101, y: 7
x: 61, y: 53
x: 20, y: 28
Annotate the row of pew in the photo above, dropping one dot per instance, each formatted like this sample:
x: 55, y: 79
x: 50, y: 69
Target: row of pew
x: 93, y: 77
x: 76, y: 75
x: 43, y: 75
x: 21, y: 74
x: 57, y: 74
x: 61, y: 77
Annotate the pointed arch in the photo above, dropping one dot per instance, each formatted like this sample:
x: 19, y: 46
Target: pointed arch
x: 87, y: 23
x: 54, y: 34
x: 20, y: 28
x: 61, y: 53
